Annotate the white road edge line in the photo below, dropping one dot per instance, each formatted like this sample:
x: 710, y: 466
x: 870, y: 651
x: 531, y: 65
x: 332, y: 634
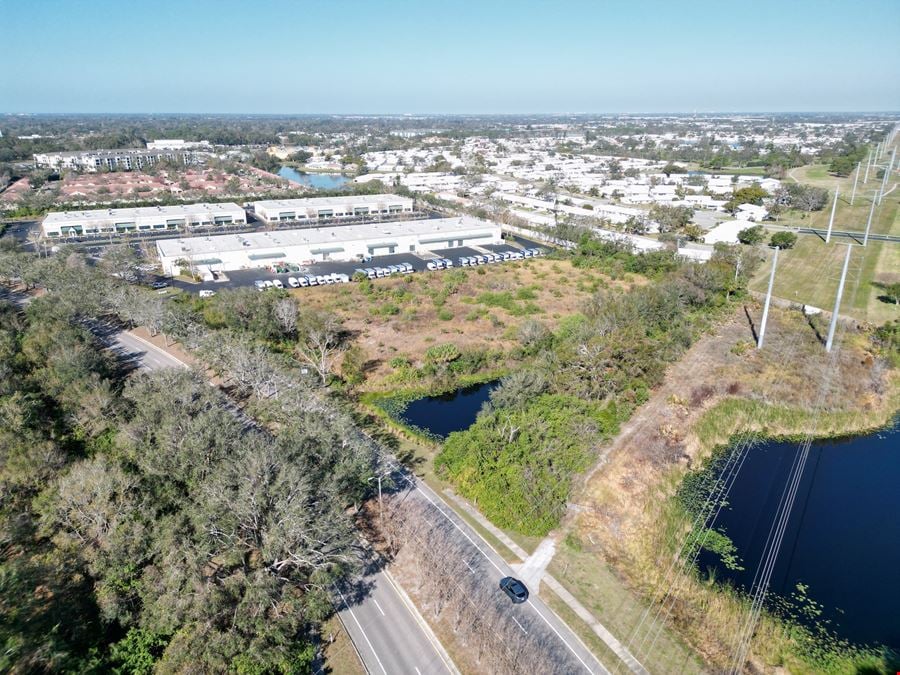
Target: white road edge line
x: 379, y: 607
x: 497, y: 567
x: 368, y: 642
x: 157, y: 349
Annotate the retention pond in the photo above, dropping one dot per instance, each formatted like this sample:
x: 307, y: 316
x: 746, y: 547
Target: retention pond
x: 320, y: 181
x: 442, y: 415
x: 842, y: 543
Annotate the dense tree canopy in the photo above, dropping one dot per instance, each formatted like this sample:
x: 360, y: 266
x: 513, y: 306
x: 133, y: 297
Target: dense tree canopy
x: 146, y: 524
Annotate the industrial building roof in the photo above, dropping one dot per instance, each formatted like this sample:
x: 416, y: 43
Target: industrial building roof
x: 327, y: 201
x: 141, y: 212
x: 318, y: 236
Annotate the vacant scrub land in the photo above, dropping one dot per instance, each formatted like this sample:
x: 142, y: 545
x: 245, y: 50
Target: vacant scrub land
x: 396, y: 320
x: 626, y: 518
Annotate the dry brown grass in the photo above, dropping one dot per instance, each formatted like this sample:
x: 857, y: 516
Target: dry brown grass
x: 625, y: 508
x: 559, y: 291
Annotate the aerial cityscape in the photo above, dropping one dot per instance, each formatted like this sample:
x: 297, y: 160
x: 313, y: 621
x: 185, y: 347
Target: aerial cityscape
x: 422, y: 339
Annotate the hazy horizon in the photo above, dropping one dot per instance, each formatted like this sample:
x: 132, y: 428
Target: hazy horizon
x: 396, y: 57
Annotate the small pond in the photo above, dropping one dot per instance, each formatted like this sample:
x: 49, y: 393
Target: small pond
x: 843, y: 537
x: 442, y: 415
x: 320, y: 181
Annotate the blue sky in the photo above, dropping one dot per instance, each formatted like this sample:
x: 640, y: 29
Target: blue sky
x: 454, y: 56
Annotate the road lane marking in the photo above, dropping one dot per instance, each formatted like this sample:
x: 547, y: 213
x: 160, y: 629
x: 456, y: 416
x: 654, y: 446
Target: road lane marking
x: 566, y: 642
x: 520, y: 625
x: 418, y: 671
x: 497, y: 567
x: 453, y: 522
x: 379, y: 607
x: 471, y: 569
x: 368, y: 642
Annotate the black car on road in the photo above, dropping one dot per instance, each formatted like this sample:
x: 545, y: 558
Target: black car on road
x: 515, y: 589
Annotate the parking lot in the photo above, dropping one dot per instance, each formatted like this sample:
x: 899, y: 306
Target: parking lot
x: 246, y: 278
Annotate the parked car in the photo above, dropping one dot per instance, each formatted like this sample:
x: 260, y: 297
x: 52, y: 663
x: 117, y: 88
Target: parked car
x: 159, y: 284
x: 302, y: 281
x: 312, y: 280
x: 342, y: 278
x: 322, y: 280
x: 447, y: 262
x: 277, y: 283
x: 463, y: 262
x: 260, y: 285
x: 370, y: 272
x: 408, y: 268
x: 293, y: 283
x: 515, y: 589
x: 205, y: 293
x: 432, y: 265
x: 268, y: 284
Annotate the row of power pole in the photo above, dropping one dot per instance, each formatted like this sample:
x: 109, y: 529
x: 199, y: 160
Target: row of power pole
x: 875, y: 156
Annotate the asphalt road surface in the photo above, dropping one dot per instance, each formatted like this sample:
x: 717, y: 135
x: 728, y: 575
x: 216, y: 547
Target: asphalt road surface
x: 489, y: 567
x: 383, y: 628
x: 386, y: 633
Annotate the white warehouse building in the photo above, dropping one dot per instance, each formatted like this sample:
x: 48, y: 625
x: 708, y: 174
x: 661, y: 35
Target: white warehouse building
x: 313, y: 209
x: 140, y: 219
x: 344, y: 242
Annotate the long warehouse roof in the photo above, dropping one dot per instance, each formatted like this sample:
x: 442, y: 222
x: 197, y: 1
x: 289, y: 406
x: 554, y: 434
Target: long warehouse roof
x: 319, y: 236
x: 141, y: 212
x: 327, y: 201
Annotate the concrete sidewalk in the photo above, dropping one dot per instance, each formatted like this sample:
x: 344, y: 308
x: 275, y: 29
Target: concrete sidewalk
x: 533, y: 571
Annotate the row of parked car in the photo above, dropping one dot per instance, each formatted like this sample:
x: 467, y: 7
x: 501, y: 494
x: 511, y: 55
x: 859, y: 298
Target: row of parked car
x: 381, y: 272
x: 302, y: 281
x: 483, y: 259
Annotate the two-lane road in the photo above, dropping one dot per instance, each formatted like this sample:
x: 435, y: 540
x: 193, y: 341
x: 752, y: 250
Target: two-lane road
x: 385, y: 629
x: 387, y: 633
x: 484, y: 562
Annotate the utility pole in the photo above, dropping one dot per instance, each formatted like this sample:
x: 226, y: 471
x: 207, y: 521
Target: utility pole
x: 765, y: 316
x: 837, y: 301
x: 855, y: 180
x: 833, y: 209
x: 380, y: 500
x: 869, y: 223
x: 885, y: 179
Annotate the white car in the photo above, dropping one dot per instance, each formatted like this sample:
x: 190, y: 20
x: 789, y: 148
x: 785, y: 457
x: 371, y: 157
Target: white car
x: 260, y: 285
x: 293, y: 283
x: 268, y: 284
x: 277, y: 283
x: 206, y: 293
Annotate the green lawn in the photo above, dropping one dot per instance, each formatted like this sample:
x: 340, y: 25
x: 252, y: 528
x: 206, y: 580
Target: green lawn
x: 809, y: 273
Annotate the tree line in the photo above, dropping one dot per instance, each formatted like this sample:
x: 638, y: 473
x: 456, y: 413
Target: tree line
x: 145, y: 524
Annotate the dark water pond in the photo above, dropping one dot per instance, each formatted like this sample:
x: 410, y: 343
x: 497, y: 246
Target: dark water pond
x: 320, y: 181
x: 843, y: 537
x: 442, y: 415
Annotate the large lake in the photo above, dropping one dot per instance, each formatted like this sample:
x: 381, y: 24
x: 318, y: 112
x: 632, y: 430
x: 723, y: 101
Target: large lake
x: 442, y: 415
x: 843, y: 537
x: 320, y: 181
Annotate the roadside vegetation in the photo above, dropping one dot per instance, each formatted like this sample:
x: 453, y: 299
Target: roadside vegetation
x: 546, y: 421
x: 147, y: 526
